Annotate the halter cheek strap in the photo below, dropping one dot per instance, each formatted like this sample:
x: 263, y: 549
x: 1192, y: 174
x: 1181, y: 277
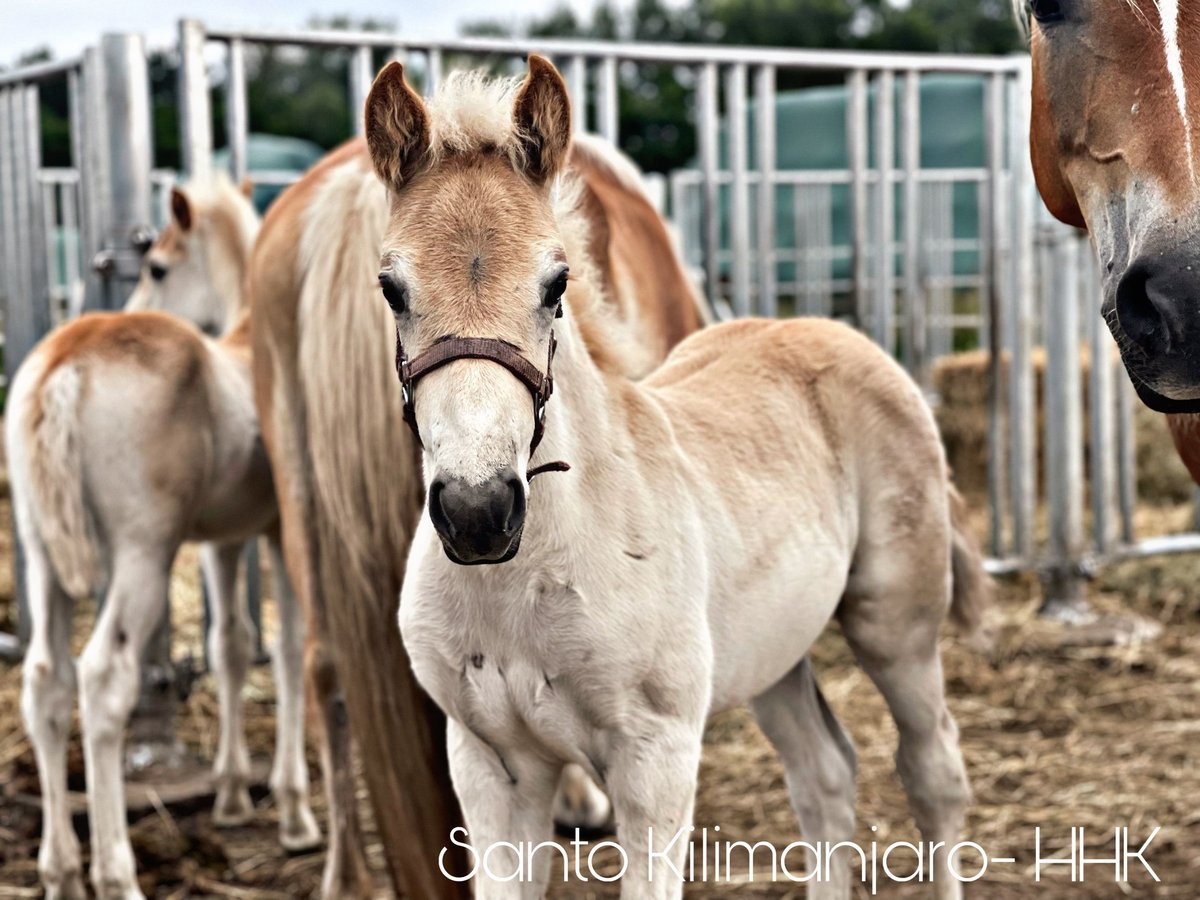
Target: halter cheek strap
x: 448, y: 349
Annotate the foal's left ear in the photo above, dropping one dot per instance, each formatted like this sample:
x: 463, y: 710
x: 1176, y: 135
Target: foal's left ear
x: 181, y: 209
x: 397, y: 127
x: 542, y: 115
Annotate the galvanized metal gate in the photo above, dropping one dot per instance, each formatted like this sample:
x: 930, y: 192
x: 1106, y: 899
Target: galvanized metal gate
x: 1035, y: 282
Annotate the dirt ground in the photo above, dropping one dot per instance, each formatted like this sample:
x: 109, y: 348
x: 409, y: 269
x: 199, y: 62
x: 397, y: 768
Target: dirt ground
x: 1054, y: 736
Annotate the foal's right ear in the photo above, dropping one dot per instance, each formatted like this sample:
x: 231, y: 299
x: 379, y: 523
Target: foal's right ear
x: 397, y: 127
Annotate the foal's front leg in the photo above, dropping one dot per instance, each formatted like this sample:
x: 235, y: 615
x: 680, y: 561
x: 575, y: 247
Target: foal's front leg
x: 507, y: 797
x: 651, y: 779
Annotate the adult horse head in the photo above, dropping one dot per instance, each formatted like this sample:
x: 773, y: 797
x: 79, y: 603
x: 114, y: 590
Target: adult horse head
x: 1115, y: 125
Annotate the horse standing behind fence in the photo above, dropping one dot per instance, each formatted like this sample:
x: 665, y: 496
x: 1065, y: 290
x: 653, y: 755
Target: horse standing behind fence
x: 127, y: 434
x: 768, y: 477
x: 347, y: 473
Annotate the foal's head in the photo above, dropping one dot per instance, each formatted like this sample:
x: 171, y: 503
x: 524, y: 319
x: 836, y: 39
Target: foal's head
x: 473, y: 250
x: 195, y: 268
x: 1115, y: 130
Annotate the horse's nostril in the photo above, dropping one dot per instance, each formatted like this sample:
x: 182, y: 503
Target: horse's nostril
x: 1139, y: 315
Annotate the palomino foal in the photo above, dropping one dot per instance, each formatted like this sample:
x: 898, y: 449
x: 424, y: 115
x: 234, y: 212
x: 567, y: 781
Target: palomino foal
x: 1114, y: 139
x: 127, y: 434
x: 715, y: 517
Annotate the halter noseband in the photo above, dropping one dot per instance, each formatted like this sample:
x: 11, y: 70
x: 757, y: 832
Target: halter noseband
x: 450, y: 348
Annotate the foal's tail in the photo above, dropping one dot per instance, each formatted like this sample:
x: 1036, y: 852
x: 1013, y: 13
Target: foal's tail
x: 973, y: 587
x: 45, y: 441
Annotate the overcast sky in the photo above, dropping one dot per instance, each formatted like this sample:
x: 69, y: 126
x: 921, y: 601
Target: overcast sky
x: 68, y: 25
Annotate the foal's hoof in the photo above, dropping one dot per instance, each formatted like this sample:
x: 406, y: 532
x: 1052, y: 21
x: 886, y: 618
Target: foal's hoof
x: 581, y: 804
x: 68, y: 886
x: 299, y: 833
x: 233, y: 807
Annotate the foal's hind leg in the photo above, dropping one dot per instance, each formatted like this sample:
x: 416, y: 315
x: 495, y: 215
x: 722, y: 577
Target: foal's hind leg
x: 230, y: 645
x: 289, y: 776
x: 890, y: 617
x: 108, y: 688
x: 820, y: 769
x: 47, y: 697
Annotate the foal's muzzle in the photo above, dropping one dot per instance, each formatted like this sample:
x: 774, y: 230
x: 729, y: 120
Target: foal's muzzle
x: 479, y: 524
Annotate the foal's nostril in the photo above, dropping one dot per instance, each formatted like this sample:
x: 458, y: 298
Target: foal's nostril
x: 437, y: 511
x: 516, y: 506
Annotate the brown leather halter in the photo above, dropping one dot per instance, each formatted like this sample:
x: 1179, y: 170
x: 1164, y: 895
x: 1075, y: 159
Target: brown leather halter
x: 450, y: 348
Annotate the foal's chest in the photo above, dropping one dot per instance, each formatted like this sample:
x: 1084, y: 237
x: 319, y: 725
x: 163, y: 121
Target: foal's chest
x: 524, y: 665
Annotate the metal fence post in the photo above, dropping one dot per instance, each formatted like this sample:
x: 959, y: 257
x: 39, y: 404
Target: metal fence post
x: 710, y: 208
x: 362, y: 74
x: 739, y: 193
x: 856, y: 147
x: 1062, y: 579
x: 915, y: 331
x: 764, y: 145
x: 885, y: 262
x: 237, y: 119
x: 992, y: 267
x: 94, y: 174
x: 195, y: 113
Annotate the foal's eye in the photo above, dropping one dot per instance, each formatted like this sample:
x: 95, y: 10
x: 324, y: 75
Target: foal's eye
x: 553, y: 292
x: 157, y: 270
x: 1048, y: 10
x: 394, y: 293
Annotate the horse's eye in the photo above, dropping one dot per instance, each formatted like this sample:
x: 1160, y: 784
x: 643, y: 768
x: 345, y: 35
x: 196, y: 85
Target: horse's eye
x: 157, y: 271
x: 1048, y: 10
x: 394, y: 293
x: 554, y: 290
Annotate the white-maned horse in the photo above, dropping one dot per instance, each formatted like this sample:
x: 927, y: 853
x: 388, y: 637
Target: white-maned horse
x: 127, y: 434
x: 769, y: 477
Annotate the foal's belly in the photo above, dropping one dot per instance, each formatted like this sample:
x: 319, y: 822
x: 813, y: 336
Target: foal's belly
x: 766, y: 622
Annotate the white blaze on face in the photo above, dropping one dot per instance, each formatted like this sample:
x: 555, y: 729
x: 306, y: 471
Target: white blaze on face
x: 1168, y: 13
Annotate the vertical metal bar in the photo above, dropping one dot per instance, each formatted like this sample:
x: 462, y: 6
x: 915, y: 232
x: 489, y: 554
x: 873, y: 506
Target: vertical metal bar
x: 915, y: 329
x: 764, y: 144
x: 236, y: 117
x: 1101, y: 412
x: 577, y: 84
x: 739, y: 205
x: 607, y: 100
x: 9, y: 251
x: 856, y: 144
x: 94, y: 181
x: 48, y: 207
x: 1064, y: 437
x: 1021, y: 404
x: 991, y: 269
x: 710, y: 210
x: 71, y: 248
x: 885, y: 298
x: 27, y: 316
x: 195, y: 114
x: 1126, y: 454
x: 361, y: 75
x: 433, y: 74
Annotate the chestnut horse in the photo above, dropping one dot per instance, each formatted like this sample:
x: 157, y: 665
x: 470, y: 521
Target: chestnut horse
x: 768, y: 477
x: 348, y: 474
x: 1116, y: 108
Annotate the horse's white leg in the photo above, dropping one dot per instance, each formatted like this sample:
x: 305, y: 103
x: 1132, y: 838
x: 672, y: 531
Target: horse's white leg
x: 230, y: 646
x: 819, y: 765
x: 289, y: 776
x: 651, y: 779
x: 504, y: 798
x: 47, y: 697
x: 108, y: 687
x: 580, y: 803
x: 892, y: 626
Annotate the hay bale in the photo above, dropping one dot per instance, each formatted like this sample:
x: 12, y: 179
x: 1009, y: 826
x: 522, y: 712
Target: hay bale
x: 961, y: 382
